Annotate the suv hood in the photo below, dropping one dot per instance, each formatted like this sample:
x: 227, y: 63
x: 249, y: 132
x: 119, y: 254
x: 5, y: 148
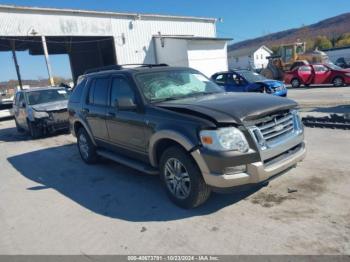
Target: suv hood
x: 51, y: 106
x: 231, y: 107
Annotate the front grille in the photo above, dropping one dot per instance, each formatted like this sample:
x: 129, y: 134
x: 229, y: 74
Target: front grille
x: 276, y: 126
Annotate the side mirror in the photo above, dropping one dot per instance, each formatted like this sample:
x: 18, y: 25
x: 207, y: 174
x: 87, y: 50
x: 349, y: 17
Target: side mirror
x: 125, y: 103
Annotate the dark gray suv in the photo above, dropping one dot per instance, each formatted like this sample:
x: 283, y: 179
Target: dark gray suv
x: 175, y: 122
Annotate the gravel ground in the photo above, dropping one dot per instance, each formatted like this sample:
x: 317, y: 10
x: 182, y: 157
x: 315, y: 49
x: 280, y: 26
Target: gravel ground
x: 52, y: 203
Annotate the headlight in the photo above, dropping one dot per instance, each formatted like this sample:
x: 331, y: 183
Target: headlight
x: 224, y: 139
x: 38, y: 114
x: 347, y: 74
x: 297, y: 121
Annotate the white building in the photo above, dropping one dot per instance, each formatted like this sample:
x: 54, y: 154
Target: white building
x: 93, y: 39
x: 338, y: 52
x: 249, y: 58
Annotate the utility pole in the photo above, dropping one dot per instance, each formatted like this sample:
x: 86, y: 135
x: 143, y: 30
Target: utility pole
x: 47, y: 60
x: 13, y: 45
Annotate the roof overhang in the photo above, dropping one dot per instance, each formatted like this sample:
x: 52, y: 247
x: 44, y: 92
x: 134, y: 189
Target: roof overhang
x: 102, y: 13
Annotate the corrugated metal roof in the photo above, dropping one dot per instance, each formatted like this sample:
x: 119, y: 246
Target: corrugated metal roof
x: 107, y: 13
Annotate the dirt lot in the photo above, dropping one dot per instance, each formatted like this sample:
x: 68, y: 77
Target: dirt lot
x: 52, y: 203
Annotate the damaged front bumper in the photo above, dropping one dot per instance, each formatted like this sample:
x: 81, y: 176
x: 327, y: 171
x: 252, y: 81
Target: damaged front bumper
x: 55, y: 122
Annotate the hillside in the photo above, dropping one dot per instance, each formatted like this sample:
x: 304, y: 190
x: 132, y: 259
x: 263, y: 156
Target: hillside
x: 331, y: 27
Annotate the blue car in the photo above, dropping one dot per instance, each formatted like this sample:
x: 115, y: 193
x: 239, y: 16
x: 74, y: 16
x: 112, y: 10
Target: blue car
x: 247, y: 81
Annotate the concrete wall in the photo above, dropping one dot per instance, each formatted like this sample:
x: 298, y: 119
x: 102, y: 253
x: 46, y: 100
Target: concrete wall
x: 132, y: 35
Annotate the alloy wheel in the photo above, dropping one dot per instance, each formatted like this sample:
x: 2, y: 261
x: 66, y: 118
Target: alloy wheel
x: 177, y: 178
x: 83, y: 146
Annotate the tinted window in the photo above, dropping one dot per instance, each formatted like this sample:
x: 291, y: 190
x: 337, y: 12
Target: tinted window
x: 21, y: 98
x: 77, y: 92
x: 220, y: 79
x: 98, y: 92
x: 121, y: 88
x: 17, y: 98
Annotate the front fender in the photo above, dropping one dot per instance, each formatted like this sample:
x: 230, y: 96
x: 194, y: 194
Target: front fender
x: 167, y: 134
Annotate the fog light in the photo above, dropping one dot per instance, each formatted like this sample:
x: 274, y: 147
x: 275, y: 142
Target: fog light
x: 235, y: 170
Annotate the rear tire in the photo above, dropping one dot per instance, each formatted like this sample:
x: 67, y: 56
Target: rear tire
x: 182, y: 178
x: 86, y: 148
x: 295, y: 83
x: 34, y: 131
x: 338, y: 82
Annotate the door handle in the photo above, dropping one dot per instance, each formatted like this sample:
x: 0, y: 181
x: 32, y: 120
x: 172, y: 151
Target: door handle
x: 111, y: 113
x: 85, y: 110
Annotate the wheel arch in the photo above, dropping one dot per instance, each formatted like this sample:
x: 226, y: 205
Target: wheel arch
x: 80, y: 124
x: 338, y: 76
x: 163, y: 139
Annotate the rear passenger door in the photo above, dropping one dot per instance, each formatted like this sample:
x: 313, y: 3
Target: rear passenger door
x: 125, y: 127
x: 95, y: 108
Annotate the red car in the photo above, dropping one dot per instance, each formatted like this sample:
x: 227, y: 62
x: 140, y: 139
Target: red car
x: 317, y: 74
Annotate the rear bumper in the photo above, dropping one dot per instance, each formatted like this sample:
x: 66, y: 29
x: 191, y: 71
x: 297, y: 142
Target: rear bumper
x: 256, y: 172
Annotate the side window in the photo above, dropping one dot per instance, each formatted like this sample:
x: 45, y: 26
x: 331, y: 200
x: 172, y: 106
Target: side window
x: 98, y: 92
x: 17, y: 98
x: 220, y: 79
x: 234, y: 79
x: 20, y: 99
x: 305, y: 69
x: 121, y: 88
x: 77, y: 92
x: 320, y: 68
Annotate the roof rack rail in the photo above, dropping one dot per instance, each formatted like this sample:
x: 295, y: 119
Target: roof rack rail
x: 103, y: 68
x: 119, y: 67
x: 145, y: 65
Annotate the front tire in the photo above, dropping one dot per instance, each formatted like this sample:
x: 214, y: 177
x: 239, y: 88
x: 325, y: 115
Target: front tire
x: 295, y: 83
x: 338, y: 82
x: 34, y: 131
x: 86, y: 148
x: 182, y: 178
x: 18, y: 127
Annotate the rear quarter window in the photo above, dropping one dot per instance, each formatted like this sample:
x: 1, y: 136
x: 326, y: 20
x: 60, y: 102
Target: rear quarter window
x: 77, y: 93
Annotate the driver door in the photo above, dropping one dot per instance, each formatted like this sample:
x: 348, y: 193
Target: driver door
x: 125, y: 127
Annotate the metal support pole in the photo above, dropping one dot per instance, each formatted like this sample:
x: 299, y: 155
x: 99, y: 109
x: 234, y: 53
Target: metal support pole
x: 13, y: 45
x: 47, y: 60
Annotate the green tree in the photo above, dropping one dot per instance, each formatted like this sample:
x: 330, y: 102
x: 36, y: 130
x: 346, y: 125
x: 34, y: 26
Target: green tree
x: 310, y: 44
x: 322, y: 42
x: 344, y: 40
x: 275, y: 49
